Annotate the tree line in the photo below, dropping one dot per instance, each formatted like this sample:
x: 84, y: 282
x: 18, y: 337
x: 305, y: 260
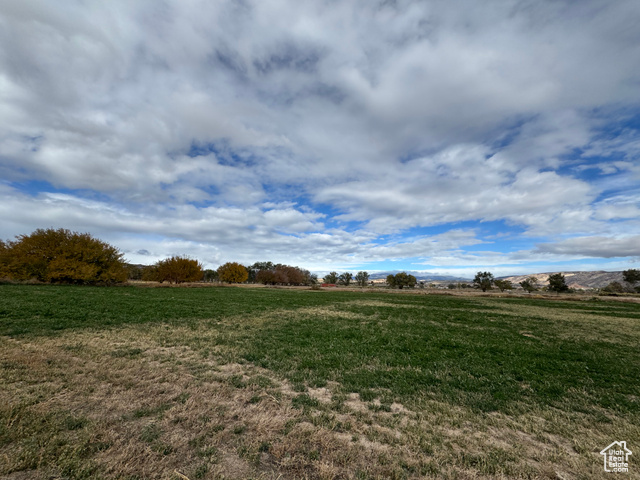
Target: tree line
x: 485, y: 281
x: 63, y: 256
x: 557, y: 283
x: 361, y: 279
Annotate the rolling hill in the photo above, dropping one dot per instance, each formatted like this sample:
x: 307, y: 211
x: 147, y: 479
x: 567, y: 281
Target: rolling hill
x: 577, y: 280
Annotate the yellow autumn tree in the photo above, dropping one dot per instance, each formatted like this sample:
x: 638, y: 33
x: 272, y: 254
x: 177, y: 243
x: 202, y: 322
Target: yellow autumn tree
x: 178, y: 270
x: 62, y: 256
x: 233, y: 272
x: 4, y: 260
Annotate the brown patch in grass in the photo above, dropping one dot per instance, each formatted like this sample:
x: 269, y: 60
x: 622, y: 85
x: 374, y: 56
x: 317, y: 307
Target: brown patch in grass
x: 527, y: 334
x: 148, y: 411
x: 325, y: 311
x: 378, y: 303
x: 322, y: 394
x: 354, y: 403
x: 399, y: 408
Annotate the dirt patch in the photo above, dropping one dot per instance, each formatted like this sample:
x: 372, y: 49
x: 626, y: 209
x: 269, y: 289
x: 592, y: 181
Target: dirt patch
x: 399, y: 408
x: 322, y: 394
x: 354, y: 403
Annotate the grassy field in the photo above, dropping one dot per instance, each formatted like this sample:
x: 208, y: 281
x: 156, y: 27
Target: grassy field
x: 236, y: 383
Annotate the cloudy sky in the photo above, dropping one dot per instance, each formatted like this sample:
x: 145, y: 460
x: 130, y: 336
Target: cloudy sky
x: 434, y: 136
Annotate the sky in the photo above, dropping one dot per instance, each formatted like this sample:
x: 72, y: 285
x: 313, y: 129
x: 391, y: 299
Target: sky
x: 431, y: 136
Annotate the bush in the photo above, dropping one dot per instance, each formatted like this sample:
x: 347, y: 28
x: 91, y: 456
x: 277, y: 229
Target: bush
x: 233, y: 272
x: 62, y: 256
x: 177, y: 270
x: 615, y: 287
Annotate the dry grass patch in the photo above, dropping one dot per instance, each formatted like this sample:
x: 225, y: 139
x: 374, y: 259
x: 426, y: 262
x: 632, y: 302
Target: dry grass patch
x: 133, y: 413
x: 119, y: 405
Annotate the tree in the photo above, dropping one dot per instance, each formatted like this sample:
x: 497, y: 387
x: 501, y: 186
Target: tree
x: 362, y: 278
x: 233, y: 272
x: 345, y: 278
x: 266, y: 277
x: 288, y: 275
x: 178, y: 270
x: 503, y: 285
x: 149, y: 273
x: 332, y: 277
x: 4, y: 260
x: 62, y: 256
x: 391, y: 280
x: 308, y: 278
x: 530, y: 284
x: 134, y: 272
x: 631, y: 276
x: 402, y: 280
x: 209, y: 275
x: 259, y: 267
x: 483, y: 280
x: 285, y: 275
x: 557, y: 283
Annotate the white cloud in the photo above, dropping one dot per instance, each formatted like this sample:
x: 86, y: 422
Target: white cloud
x: 391, y: 114
x: 595, y: 246
x: 461, y: 184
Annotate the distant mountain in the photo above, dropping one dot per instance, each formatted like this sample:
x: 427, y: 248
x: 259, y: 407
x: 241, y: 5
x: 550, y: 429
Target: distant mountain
x: 420, y: 276
x: 578, y: 280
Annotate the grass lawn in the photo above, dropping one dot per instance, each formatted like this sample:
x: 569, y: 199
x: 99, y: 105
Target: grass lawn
x: 198, y: 383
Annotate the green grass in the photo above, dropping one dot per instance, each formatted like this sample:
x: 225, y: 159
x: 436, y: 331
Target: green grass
x: 553, y: 372
x: 448, y: 349
x: 45, y: 310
